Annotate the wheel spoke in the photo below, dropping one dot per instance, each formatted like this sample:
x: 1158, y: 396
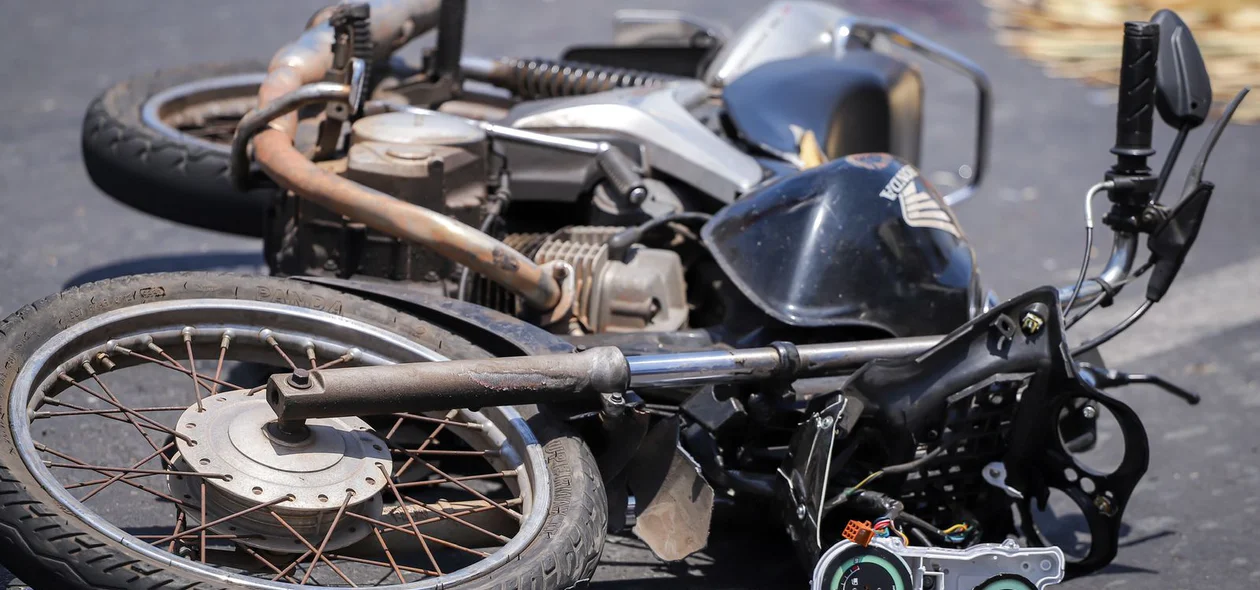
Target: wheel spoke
x: 172, y: 366
x: 479, y: 495
x: 417, y: 417
x: 265, y: 561
x: 434, y: 482
x: 47, y: 415
x: 181, y: 520
x: 328, y: 535
x: 419, y: 523
x: 120, y: 475
x: 310, y: 549
x: 108, y: 469
x: 96, y: 482
x: 78, y: 463
x: 284, y: 573
x: 124, y: 409
x: 202, y: 540
x: 388, y: 554
x: 444, y: 515
x: 271, y: 340
x: 224, y: 343
x: 424, y: 445
x: 345, y: 358
x: 310, y: 356
x: 192, y: 366
x: 229, y: 517
x: 398, y: 569
x: 415, y: 529
x: 112, y: 400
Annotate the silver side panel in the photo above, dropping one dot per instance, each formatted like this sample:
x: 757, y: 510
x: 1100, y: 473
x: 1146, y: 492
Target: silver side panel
x: 783, y: 30
x: 658, y: 119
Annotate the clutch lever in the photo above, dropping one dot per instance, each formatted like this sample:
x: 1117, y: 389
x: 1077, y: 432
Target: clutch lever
x: 1104, y: 378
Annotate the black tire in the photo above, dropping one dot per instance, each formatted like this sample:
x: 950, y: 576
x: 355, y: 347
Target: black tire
x: 160, y: 175
x: 48, y: 546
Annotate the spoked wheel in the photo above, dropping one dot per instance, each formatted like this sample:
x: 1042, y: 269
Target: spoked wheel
x: 161, y: 143
x: 139, y: 456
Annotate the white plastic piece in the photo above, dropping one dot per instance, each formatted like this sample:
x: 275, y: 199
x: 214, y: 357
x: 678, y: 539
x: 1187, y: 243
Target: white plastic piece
x: 956, y: 569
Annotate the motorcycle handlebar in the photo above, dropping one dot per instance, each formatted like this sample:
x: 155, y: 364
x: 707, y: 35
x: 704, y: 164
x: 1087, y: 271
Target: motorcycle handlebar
x: 1119, y: 265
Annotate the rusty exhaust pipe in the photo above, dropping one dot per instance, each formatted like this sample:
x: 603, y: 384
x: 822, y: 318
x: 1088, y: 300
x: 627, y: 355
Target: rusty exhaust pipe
x: 305, y: 61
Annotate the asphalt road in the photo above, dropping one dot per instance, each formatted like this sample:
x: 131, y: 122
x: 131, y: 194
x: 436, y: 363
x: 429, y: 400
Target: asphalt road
x: 1191, y: 522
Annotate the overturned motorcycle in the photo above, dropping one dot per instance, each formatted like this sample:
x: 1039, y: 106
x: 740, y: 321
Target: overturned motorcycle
x: 361, y: 460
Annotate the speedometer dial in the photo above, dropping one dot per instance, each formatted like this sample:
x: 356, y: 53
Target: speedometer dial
x: 870, y: 568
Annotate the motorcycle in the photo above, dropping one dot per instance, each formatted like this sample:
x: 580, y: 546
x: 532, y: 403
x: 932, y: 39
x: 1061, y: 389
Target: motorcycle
x: 387, y: 443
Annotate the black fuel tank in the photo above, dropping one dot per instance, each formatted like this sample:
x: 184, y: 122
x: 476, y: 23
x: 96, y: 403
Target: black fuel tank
x: 861, y: 241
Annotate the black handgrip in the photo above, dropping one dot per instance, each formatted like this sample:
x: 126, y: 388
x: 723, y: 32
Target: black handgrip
x: 1137, y: 97
x: 622, y: 174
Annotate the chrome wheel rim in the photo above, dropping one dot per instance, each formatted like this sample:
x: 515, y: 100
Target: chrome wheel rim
x: 252, y: 329
x: 203, y: 112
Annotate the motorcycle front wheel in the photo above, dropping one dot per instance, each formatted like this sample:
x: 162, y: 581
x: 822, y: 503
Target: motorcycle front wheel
x: 131, y: 459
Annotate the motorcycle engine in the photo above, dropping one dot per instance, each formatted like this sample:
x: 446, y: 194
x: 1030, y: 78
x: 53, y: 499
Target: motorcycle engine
x: 643, y: 291
x: 440, y: 162
x: 434, y: 161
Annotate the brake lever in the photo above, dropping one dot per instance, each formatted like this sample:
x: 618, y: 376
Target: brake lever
x: 1103, y: 378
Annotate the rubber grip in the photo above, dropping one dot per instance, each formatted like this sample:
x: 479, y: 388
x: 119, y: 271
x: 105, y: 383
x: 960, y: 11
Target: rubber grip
x: 1137, y: 89
x: 622, y: 174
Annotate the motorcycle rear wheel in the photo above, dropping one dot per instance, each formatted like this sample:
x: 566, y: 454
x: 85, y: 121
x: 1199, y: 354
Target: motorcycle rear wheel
x: 160, y: 143
x: 87, y: 338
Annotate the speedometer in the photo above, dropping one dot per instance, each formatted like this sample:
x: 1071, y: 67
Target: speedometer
x: 868, y: 568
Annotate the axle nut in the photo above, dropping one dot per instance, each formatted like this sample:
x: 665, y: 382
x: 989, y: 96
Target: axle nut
x: 301, y: 379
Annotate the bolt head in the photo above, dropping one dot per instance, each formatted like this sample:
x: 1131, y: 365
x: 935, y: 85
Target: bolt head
x: 995, y: 472
x: 1031, y: 323
x: 801, y: 512
x: 300, y: 379
x: 1089, y: 412
x: 826, y: 422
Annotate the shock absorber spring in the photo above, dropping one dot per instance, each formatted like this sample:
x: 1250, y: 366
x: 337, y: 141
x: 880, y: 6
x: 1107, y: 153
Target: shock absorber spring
x: 545, y: 78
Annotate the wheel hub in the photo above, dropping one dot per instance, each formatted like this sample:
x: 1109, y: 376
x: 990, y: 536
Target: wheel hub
x: 245, y: 460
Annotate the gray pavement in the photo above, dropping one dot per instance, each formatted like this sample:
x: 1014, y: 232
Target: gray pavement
x: 1190, y: 524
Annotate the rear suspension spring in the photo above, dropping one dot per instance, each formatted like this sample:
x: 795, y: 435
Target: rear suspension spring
x: 544, y: 78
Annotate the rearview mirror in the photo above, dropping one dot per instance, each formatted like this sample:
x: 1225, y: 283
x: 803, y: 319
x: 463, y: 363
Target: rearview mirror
x: 1183, y: 90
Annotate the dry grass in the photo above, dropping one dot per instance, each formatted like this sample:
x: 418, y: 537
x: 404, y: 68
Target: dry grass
x: 1081, y: 38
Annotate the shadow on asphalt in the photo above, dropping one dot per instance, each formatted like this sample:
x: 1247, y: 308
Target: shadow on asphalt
x: 224, y: 261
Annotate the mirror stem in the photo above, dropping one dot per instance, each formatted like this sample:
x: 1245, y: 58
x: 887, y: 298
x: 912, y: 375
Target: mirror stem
x: 1171, y: 159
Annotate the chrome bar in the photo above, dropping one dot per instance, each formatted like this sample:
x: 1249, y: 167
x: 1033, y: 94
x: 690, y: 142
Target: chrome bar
x: 863, y: 29
x: 1119, y: 265
x: 752, y: 364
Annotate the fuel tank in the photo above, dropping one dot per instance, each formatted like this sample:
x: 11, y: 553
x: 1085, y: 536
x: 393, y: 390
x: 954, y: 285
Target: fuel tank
x: 860, y: 241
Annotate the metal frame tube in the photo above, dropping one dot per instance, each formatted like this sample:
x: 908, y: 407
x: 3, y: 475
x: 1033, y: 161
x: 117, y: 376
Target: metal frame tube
x: 418, y: 387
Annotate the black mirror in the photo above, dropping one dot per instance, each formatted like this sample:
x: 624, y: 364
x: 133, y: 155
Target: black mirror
x: 1183, y: 90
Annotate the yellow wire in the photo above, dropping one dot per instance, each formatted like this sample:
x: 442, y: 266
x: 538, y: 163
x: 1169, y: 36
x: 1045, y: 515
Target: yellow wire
x: 958, y: 528
x: 903, y: 535
x: 867, y: 480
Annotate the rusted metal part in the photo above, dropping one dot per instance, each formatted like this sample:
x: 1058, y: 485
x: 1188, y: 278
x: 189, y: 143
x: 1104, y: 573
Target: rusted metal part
x: 421, y: 387
x: 448, y: 237
x: 393, y: 23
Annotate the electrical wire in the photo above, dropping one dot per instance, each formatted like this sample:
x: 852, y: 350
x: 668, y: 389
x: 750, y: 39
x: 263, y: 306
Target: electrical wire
x: 1089, y: 239
x: 900, y: 468
x: 1118, y: 328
